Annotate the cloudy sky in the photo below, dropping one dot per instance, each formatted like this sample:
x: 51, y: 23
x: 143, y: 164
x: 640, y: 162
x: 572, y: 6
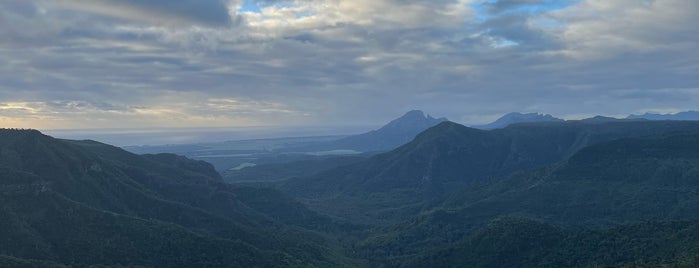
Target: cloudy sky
x: 208, y: 63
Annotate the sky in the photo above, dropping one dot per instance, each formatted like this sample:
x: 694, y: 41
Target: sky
x: 78, y: 64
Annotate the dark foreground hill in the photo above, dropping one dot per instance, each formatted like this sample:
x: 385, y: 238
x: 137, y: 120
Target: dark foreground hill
x: 449, y: 157
x: 87, y: 203
x: 516, y: 242
x: 615, y: 203
x: 582, y: 195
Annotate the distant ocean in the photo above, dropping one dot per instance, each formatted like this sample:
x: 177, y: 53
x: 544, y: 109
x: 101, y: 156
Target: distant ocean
x: 166, y: 136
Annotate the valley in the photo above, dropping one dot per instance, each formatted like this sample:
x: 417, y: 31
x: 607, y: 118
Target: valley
x: 614, y: 192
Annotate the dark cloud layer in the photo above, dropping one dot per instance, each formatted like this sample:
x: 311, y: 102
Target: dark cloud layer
x: 208, y: 12
x: 109, y: 63
x: 213, y: 13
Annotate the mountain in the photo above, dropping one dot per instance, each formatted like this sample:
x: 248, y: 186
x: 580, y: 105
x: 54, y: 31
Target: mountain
x: 86, y: 203
x: 450, y: 157
x: 516, y: 242
x: 311, y: 159
x: 515, y: 118
x: 396, y: 133
x: 609, y: 193
x: 612, y: 203
x: 688, y: 115
x: 231, y: 157
x: 601, y: 119
x: 627, y: 179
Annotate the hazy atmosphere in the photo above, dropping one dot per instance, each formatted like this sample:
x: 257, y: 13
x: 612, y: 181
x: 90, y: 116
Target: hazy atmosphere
x: 214, y: 63
x: 349, y: 133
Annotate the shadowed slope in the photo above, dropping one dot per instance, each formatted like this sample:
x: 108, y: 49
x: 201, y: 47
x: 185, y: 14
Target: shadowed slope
x: 83, y: 202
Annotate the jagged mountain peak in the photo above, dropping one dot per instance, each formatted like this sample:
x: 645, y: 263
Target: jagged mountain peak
x: 414, y: 118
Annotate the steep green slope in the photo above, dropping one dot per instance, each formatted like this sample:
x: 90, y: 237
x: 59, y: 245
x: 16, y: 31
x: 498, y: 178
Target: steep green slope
x: 83, y: 202
x: 449, y: 157
x: 12, y: 262
x: 617, y: 182
x: 627, y: 179
x: 512, y: 242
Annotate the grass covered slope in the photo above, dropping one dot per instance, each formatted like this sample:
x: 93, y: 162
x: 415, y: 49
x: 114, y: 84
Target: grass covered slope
x: 85, y: 203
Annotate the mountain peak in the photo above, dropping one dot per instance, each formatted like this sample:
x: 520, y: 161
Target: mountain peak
x: 396, y: 133
x: 415, y: 113
x: 515, y: 117
x: 600, y: 119
x: 414, y: 119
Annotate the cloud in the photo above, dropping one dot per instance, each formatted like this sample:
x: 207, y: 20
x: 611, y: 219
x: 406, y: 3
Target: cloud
x: 210, y: 63
x: 170, y: 110
x: 594, y: 29
x: 181, y: 12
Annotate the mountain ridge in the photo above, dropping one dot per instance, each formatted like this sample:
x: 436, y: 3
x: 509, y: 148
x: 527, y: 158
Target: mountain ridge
x: 395, y: 133
x: 686, y: 115
x: 610, y: 188
x: 449, y: 157
x: 87, y: 203
x: 517, y: 118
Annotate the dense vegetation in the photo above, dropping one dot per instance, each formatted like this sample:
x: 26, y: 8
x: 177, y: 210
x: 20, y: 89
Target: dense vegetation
x: 86, y: 203
x: 449, y: 157
x: 511, y: 242
x: 288, y: 169
x: 596, y: 193
x: 610, y: 187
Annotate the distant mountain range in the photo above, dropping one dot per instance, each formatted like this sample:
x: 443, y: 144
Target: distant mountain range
x: 228, y: 157
x: 514, y: 118
x: 688, y: 115
x: 396, y: 133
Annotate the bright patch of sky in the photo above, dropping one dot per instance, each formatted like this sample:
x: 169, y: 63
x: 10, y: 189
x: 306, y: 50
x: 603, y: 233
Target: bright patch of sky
x: 249, y: 6
x: 492, y: 8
